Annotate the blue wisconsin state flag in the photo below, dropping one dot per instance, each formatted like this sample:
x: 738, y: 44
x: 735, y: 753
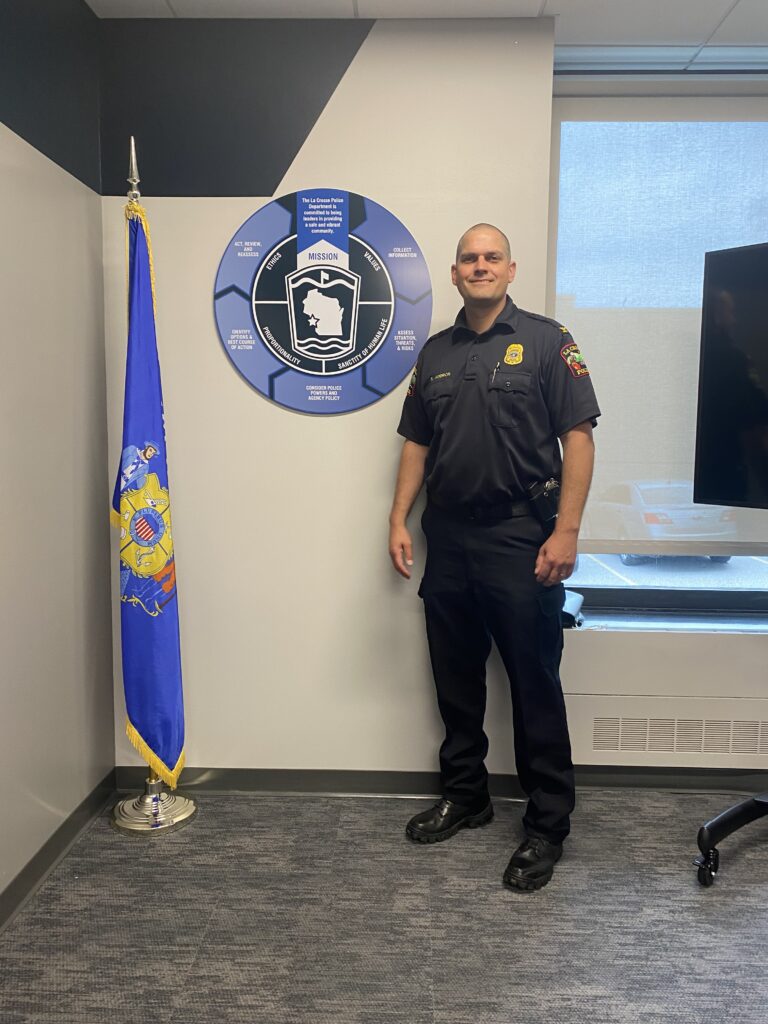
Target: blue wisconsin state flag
x: 141, y: 509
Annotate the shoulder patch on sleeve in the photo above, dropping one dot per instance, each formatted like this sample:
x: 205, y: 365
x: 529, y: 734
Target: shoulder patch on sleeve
x: 574, y: 360
x: 412, y: 386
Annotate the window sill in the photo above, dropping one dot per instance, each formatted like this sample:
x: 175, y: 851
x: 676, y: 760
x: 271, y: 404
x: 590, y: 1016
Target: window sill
x: 662, y: 622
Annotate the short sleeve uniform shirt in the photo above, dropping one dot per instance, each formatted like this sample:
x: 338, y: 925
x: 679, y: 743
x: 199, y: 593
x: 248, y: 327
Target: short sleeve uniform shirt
x: 492, y: 406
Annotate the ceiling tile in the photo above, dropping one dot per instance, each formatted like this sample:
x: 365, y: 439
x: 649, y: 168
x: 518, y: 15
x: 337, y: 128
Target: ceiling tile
x: 130, y: 8
x: 636, y: 22
x: 449, y: 8
x: 746, y: 25
x: 264, y: 8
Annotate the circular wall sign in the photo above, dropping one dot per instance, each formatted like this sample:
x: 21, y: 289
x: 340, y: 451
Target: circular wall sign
x: 323, y: 301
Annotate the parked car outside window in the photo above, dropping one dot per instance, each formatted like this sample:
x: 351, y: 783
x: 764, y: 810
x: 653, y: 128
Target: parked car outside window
x: 659, y: 511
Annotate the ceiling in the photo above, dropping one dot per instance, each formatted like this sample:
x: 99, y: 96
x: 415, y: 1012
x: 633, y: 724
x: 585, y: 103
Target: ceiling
x: 632, y: 35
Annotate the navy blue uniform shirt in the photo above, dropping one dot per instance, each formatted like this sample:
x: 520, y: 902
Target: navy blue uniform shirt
x: 492, y: 406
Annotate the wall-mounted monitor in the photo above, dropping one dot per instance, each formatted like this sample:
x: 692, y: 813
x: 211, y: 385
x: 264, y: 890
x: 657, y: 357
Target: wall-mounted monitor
x: 732, y: 426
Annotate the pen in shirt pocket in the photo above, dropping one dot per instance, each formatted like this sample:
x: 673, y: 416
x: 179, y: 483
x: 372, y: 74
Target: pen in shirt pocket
x: 493, y: 375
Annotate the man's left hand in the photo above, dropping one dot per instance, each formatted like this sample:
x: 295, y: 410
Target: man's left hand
x: 557, y: 557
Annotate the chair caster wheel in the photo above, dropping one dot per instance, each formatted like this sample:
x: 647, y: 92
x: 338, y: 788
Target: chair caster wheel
x: 706, y: 877
x: 707, y: 864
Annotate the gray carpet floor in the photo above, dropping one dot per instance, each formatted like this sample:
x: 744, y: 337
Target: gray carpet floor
x: 317, y: 910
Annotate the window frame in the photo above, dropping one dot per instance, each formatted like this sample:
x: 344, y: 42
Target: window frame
x: 652, y: 600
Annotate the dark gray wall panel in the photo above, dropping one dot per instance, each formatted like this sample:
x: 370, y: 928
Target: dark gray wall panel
x: 218, y: 107
x: 49, y: 89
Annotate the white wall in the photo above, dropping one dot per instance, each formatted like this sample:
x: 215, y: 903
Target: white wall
x: 56, y: 740
x: 301, y: 647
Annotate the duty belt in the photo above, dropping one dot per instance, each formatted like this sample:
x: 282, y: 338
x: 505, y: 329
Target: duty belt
x: 484, y: 513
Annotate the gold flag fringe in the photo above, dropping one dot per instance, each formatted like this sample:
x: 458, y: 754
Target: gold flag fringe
x: 169, y: 777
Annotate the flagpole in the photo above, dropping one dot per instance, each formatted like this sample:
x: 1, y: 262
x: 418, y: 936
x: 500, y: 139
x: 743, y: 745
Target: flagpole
x: 156, y: 810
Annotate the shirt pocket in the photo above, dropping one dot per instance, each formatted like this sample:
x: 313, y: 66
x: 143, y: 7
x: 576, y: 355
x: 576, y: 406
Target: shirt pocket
x: 508, y: 397
x: 438, y: 396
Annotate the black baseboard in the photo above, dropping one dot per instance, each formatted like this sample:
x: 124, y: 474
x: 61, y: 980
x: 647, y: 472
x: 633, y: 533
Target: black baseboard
x: 696, y: 780
x: 311, y: 780
x: 296, y: 780
x: 28, y: 880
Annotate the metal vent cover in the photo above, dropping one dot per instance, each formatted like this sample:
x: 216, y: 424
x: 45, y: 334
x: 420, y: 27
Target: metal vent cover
x: 605, y: 735
x: 680, y: 735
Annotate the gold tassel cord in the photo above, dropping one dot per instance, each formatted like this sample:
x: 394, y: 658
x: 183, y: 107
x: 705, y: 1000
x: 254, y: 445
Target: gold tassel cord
x: 169, y: 777
x: 135, y: 211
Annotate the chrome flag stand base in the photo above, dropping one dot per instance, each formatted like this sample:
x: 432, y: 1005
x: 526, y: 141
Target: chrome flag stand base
x: 155, y: 811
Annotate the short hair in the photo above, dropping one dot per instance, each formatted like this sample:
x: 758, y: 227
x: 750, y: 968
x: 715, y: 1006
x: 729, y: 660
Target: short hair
x: 491, y: 227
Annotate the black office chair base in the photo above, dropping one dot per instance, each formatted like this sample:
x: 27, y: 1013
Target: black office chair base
x: 722, y: 826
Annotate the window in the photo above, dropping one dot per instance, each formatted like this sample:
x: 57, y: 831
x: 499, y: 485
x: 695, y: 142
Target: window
x: 645, y: 188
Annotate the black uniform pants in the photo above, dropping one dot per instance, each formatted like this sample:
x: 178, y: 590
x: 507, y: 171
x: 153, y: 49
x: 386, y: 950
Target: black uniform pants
x: 479, y: 586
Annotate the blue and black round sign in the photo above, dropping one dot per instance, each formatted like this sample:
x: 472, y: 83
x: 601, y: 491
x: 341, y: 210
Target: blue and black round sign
x: 323, y: 301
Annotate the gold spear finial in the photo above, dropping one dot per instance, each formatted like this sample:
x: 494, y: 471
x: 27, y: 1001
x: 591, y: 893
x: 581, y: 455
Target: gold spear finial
x: 133, y: 175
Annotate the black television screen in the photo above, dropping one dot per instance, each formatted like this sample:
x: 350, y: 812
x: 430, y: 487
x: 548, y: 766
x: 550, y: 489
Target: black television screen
x: 732, y: 426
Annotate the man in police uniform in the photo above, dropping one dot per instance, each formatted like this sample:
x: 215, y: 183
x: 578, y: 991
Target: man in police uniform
x: 488, y: 402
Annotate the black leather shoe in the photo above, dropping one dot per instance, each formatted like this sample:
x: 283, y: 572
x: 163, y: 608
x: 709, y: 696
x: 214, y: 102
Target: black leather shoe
x: 532, y: 864
x: 445, y: 819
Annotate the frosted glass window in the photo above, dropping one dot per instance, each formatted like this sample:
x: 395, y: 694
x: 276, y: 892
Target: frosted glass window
x: 639, y: 205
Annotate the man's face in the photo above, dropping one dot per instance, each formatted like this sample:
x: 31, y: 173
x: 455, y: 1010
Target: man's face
x: 149, y: 451
x: 483, y: 269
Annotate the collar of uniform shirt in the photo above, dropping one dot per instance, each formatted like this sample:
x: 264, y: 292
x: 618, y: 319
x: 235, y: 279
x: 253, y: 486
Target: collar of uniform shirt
x: 506, y: 319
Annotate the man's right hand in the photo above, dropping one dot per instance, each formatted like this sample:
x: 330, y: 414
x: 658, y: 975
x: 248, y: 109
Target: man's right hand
x: 401, y: 549
x: 410, y: 476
